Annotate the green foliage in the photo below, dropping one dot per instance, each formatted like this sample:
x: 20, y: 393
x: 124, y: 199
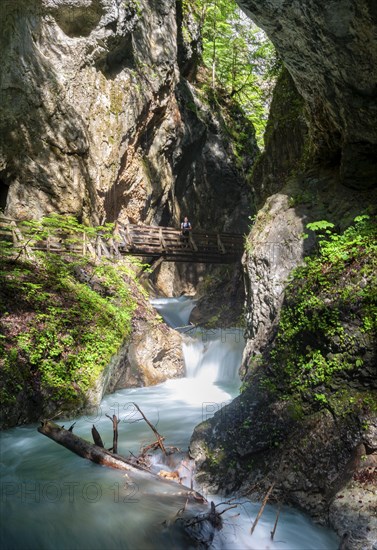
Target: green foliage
x: 242, y: 60
x: 59, y: 329
x: 320, y: 226
x: 63, y: 226
x: 330, y: 303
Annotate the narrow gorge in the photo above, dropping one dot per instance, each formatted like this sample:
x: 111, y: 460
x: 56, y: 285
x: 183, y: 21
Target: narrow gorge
x: 111, y: 115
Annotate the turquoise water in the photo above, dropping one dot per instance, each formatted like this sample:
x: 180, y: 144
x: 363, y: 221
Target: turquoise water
x: 52, y: 499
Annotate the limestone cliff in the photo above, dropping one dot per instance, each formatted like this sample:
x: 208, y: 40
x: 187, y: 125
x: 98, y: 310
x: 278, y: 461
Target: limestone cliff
x: 102, y: 117
x: 99, y: 120
x: 291, y: 192
x: 319, y: 164
x: 330, y: 50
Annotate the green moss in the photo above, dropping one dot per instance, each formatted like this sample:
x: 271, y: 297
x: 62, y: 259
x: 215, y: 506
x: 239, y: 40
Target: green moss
x: 348, y: 400
x: 215, y: 458
x: 116, y: 100
x: 59, y: 333
x: 300, y: 197
x: 329, y: 316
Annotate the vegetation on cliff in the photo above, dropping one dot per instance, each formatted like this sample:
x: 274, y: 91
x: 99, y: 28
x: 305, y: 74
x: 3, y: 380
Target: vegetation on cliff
x: 241, y: 60
x: 62, y: 317
x: 306, y: 416
x: 328, y: 323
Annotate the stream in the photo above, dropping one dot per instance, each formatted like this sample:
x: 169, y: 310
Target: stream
x: 52, y: 499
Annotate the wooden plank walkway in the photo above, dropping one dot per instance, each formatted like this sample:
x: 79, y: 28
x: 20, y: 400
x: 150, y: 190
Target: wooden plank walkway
x: 153, y: 242
x: 200, y: 246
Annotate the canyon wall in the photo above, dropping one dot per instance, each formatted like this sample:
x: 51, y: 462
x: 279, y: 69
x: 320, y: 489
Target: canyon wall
x: 319, y: 164
x: 330, y: 50
x: 103, y: 118
x: 99, y: 118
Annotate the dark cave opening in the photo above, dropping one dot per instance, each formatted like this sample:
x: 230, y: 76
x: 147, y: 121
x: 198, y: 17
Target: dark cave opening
x: 4, y: 189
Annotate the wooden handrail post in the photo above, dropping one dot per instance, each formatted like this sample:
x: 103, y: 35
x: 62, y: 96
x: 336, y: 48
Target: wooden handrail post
x: 192, y: 243
x: 220, y: 244
x: 162, y: 240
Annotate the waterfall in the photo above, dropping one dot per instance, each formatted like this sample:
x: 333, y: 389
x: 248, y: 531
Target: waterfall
x: 214, y: 356
x: 54, y: 500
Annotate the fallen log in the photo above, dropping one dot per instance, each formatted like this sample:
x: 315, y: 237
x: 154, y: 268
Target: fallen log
x: 101, y: 456
x: 83, y: 448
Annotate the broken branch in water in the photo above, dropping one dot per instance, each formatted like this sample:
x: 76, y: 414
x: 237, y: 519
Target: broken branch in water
x: 226, y: 509
x: 212, y: 516
x: 115, y: 422
x: 276, y: 523
x: 101, y: 456
x: 262, y: 508
x: 96, y: 437
x: 160, y: 439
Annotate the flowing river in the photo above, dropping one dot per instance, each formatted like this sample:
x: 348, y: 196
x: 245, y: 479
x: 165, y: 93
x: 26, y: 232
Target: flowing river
x: 52, y: 499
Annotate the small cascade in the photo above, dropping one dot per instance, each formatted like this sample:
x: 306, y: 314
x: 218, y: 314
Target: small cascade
x: 53, y: 499
x: 214, y: 356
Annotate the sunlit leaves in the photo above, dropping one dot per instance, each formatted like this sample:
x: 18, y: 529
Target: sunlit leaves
x: 242, y: 60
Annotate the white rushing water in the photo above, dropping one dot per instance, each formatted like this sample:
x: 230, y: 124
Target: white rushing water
x: 52, y: 499
x: 175, y: 311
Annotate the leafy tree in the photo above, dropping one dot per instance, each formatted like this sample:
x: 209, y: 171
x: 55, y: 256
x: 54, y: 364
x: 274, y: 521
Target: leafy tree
x: 242, y: 60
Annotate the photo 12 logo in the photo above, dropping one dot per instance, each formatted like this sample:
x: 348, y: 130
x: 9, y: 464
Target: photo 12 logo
x: 125, y: 412
x: 37, y: 491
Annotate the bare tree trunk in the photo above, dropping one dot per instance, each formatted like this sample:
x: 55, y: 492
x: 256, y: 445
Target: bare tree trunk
x: 101, y: 456
x: 83, y: 448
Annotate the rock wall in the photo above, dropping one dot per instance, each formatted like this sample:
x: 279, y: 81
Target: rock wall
x: 330, y: 50
x: 319, y: 164
x: 99, y: 120
x: 306, y: 418
x: 285, y: 140
x: 275, y: 244
x: 152, y: 355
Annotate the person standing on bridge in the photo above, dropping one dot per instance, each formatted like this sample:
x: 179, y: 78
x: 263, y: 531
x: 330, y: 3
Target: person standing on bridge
x: 185, y: 229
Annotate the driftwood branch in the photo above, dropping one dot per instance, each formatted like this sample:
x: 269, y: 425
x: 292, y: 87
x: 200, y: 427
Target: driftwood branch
x: 276, y: 523
x: 226, y: 509
x: 83, y: 448
x: 212, y: 516
x: 160, y: 439
x: 101, y: 456
x: 262, y: 508
x: 97, y: 438
x: 115, y: 422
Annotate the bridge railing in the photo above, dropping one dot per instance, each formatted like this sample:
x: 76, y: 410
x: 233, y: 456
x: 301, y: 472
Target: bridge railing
x: 136, y: 240
x: 160, y: 240
x: 26, y: 239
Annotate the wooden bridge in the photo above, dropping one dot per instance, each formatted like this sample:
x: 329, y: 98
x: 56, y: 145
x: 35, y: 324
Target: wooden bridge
x: 168, y: 243
x: 150, y: 242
